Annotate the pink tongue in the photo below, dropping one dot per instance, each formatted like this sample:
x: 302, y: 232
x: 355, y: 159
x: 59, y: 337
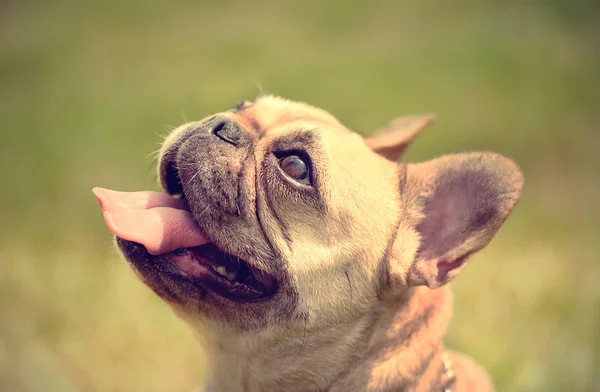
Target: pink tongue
x: 155, y: 220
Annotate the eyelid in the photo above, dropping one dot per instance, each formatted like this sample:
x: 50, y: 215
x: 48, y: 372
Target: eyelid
x: 285, y: 153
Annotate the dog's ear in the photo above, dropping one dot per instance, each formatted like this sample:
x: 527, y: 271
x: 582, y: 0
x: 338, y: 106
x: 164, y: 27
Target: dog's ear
x: 455, y: 204
x: 392, y: 140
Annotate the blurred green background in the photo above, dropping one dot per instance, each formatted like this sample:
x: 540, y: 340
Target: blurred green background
x: 87, y: 88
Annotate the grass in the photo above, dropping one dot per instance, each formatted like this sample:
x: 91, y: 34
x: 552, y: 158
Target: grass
x: 86, y: 90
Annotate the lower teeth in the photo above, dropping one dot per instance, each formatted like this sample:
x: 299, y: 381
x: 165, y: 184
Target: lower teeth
x: 224, y: 273
x: 221, y: 270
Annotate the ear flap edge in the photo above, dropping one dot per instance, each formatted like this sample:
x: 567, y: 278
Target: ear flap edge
x: 463, y: 201
x: 392, y: 140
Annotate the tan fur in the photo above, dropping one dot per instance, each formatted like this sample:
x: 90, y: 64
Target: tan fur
x: 366, y: 262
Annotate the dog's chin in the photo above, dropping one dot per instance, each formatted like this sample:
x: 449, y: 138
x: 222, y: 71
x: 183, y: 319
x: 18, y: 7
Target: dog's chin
x: 204, y: 267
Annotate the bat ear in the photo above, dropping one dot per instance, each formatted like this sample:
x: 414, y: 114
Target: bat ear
x: 462, y: 200
x: 392, y: 140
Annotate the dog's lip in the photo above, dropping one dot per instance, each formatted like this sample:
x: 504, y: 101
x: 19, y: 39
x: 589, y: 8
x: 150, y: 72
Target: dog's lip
x: 226, y: 275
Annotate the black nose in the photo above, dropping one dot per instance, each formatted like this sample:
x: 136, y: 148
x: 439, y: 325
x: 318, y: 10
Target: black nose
x: 228, y: 130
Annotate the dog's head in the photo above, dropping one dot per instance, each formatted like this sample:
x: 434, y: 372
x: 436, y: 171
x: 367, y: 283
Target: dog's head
x: 309, y: 222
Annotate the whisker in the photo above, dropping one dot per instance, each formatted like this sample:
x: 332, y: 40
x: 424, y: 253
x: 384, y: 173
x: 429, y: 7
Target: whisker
x: 163, y: 136
x: 193, y: 177
x: 154, y: 154
x: 261, y: 91
x: 202, y: 213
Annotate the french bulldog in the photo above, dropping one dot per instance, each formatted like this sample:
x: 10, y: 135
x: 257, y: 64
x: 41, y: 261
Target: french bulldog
x: 306, y: 257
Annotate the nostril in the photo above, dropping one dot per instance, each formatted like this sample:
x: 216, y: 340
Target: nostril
x: 229, y: 131
x: 218, y: 128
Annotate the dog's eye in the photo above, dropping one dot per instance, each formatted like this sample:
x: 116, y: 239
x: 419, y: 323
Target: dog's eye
x: 241, y: 106
x: 295, y: 167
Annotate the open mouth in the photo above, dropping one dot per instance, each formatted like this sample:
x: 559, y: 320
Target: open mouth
x: 224, y: 274
x: 164, y: 225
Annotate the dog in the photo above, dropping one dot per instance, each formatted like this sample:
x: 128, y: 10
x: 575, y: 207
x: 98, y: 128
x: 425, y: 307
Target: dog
x: 306, y: 257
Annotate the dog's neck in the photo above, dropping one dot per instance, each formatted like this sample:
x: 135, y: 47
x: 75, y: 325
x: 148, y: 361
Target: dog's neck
x: 398, y: 346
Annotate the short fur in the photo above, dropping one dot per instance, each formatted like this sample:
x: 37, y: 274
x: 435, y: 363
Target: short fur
x: 362, y: 256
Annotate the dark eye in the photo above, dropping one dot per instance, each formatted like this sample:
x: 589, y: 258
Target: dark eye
x: 295, y: 167
x: 241, y: 106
